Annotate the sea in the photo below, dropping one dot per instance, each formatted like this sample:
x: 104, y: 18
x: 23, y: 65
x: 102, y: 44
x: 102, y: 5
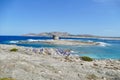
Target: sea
x: 108, y: 49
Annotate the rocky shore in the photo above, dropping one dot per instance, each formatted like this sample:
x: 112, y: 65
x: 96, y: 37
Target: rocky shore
x: 60, y: 42
x: 69, y: 42
x: 23, y: 63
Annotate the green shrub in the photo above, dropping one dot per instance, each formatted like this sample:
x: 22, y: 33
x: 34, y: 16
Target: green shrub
x: 13, y: 50
x: 86, y: 58
x: 7, y: 79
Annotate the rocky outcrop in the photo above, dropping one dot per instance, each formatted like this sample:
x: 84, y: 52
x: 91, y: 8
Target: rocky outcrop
x: 28, y: 64
x: 61, y: 42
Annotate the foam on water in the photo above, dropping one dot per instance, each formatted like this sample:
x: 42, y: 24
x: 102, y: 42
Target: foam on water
x: 36, y: 40
x: 31, y: 40
x: 89, y: 41
x: 13, y: 41
x: 103, y: 44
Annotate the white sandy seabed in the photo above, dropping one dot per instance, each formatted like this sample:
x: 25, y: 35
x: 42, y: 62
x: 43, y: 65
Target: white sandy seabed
x: 30, y: 64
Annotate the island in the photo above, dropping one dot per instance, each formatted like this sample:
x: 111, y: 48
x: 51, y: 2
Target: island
x: 68, y: 35
x: 57, y: 41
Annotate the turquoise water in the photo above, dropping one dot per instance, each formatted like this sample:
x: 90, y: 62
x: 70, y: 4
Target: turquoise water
x: 109, y: 49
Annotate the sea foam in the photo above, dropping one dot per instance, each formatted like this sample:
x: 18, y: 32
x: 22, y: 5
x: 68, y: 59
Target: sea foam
x: 33, y: 40
x: 103, y: 44
x: 13, y: 41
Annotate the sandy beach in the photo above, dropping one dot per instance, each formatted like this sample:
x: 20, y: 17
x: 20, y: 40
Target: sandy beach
x: 37, y: 64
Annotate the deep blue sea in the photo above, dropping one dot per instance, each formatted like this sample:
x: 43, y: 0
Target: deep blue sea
x: 109, y: 49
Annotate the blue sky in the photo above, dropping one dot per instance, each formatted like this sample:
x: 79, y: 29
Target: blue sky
x: 97, y: 17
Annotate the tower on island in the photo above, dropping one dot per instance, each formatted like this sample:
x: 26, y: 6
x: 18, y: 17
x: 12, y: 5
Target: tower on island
x: 55, y: 37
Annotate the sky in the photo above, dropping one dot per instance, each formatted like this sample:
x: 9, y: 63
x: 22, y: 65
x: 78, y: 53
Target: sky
x: 96, y: 17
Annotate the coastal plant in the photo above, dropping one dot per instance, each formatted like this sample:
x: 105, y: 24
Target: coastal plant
x: 92, y: 77
x: 13, y: 49
x: 7, y: 79
x: 86, y: 58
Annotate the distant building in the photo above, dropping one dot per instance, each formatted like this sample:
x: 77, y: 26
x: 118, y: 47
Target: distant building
x: 55, y: 37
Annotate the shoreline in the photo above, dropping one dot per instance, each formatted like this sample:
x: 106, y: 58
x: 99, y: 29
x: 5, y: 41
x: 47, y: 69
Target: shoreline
x: 45, y: 66
x: 62, y: 42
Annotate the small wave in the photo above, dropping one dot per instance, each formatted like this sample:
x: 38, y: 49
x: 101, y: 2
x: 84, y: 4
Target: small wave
x: 35, y: 40
x: 72, y: 39
x: 31, y: 40
x: 13, y: 41
x: 103, y: 44
x: 90, y: 41
x: 68, y: 39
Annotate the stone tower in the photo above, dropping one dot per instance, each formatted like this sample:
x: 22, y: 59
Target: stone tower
x: 55, y: 37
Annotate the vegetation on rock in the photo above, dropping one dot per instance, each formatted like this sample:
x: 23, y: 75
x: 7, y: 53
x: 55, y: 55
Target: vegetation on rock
x: 92, y: 77
x: 7, y: 79
x: 13, y: 49
x: 86, y: 58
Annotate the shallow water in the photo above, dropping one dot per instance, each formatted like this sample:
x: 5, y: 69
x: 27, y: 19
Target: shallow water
x: 109, y: 49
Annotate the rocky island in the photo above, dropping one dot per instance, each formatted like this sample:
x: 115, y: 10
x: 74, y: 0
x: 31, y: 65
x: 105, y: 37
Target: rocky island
x: 56, y: 41
x: 60, y: 42
x: 68, y: 35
